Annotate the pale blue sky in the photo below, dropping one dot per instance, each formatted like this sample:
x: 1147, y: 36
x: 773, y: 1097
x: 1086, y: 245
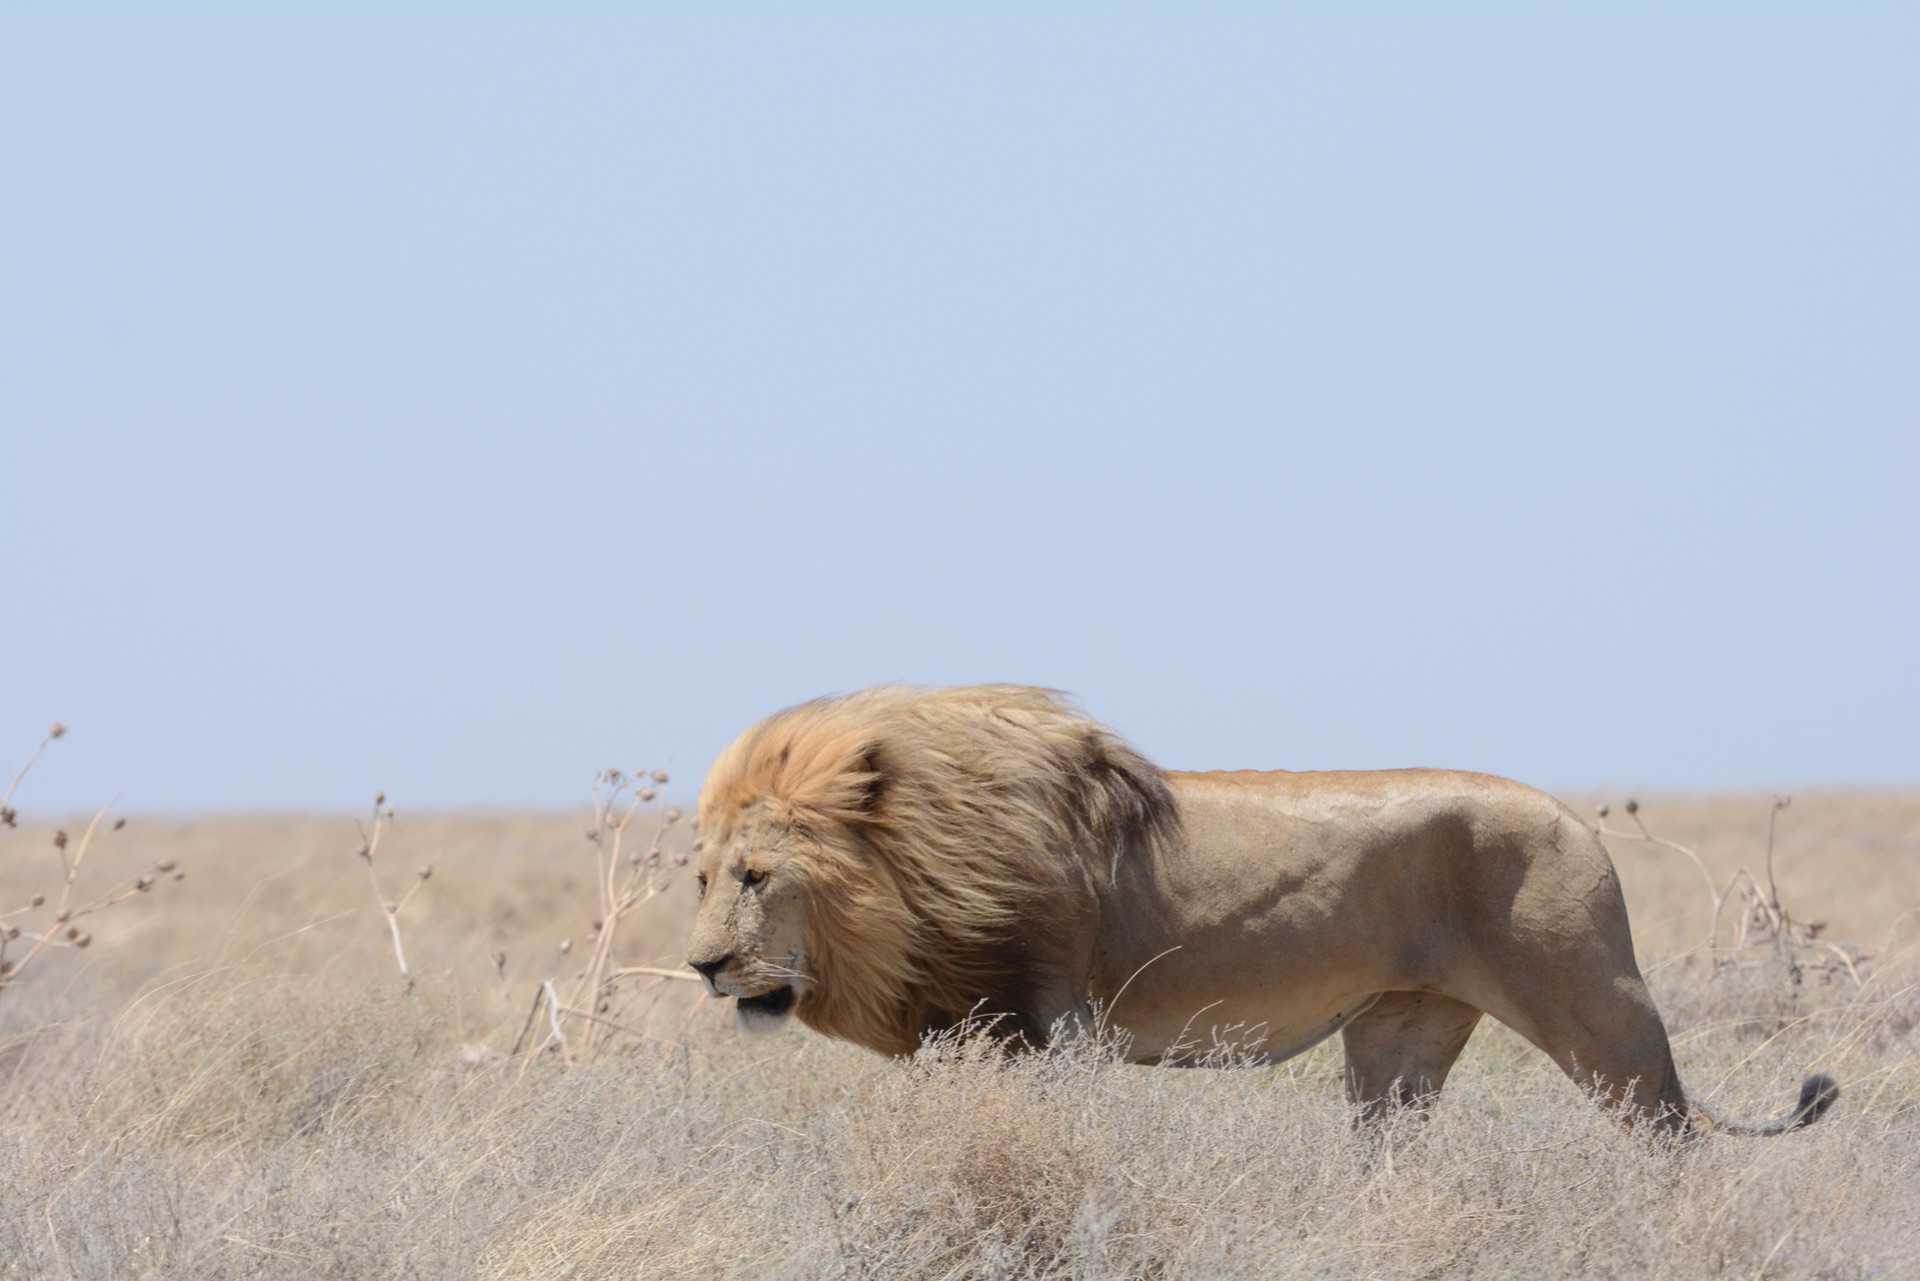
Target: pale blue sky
x: 456, y: 400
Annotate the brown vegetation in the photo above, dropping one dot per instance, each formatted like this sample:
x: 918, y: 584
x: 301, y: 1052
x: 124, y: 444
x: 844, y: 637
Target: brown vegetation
x: 53, y: 920
x: 236, y: 1082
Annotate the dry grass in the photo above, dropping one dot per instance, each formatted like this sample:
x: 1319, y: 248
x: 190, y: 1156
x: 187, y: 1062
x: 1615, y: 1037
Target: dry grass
x: 236, y: 1082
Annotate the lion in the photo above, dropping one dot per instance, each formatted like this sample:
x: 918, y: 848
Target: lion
x: 895, y: 862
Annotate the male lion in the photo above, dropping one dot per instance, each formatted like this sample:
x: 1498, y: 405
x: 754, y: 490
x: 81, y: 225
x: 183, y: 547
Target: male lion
x: 894, y: 862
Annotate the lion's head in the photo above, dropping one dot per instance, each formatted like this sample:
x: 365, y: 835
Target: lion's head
x: 890, y: 862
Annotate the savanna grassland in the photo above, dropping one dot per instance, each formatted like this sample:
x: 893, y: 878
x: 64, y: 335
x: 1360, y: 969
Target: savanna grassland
x: 233, y: 1079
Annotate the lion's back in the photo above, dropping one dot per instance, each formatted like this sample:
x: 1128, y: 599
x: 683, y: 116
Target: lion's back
x: 1291, y: 893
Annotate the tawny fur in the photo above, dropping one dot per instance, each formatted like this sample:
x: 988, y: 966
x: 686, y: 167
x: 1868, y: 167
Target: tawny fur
x: 889, y: 863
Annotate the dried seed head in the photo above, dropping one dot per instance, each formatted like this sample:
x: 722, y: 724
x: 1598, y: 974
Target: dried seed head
x: 13, y: 932
x: 389, y: 813
x: 119, y: 823
x: 366, y: 851
x: 566, y: 945
x: 83, y: 940
x: 423, y: 871
x: 1602, y: 809
x: 597, y: 923
x: 8, y: 967
x: 143, y: 883
x: 56, y: 730
x: 7, y: 815
x: 73, y: 931
x: 1781, y: 802
x: 673, y: 816
x: 379, y: 799
x: 1633, y: 806
x: 179, y: 876
x: 36, y: 900
x: 660, y: 776
x: 59, y: 840
x: 646, y: 793
x: 61, y: 918
x: 165, y: 865
x: 393, y: 908
x: 1815, y: 924
x: 500, y: 961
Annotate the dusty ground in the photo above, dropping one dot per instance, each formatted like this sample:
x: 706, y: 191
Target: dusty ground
x: 233, y: 1080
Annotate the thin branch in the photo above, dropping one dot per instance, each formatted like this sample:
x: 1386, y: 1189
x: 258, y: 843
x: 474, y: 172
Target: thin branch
x: 1633, y: 812
x: 533, y: 1012
x: 399, y: 953
x: 1780, y: 803
x: 57, y: 730
x: 553, y: 1013
x: 389, y: 908
x: 652, y: 970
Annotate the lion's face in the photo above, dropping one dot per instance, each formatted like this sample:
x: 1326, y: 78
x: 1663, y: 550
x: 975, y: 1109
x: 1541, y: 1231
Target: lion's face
x: 748, y: 939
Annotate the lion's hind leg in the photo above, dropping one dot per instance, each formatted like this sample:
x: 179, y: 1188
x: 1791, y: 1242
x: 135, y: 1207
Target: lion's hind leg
x: 1610, y: 1042
x: 1400, y: 1051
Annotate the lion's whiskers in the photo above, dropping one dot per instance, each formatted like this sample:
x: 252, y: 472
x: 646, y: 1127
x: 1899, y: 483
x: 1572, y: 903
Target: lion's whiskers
x: 786, y: 972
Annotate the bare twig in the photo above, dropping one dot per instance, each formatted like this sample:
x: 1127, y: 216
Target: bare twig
x: 390, y: 908
x: 533, y: 1012
x: 1633, y: 812
x: 1764, y: 917
x: 627, y: 876
x: 7, y: 814
x: 654, y: 971
x: 63, y: 930
x: 1773, y: 814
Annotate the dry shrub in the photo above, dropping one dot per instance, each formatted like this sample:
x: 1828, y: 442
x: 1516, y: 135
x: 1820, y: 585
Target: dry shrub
x: 390, y: 908
x: 604, y: 1001
x: 57, y: 917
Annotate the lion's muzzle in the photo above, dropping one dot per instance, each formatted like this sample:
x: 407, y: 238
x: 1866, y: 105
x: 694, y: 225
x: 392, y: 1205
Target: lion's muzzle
x: 709, y: 972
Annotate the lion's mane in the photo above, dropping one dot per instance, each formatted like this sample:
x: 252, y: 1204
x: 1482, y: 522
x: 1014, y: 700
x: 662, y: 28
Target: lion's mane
x: 951, y: 836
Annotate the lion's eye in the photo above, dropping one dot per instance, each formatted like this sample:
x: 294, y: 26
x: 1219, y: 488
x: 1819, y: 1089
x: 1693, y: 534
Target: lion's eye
x: 701, y: 882
x: 753, y: 876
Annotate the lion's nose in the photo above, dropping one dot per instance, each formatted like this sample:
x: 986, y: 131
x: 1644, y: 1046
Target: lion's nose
x: 708, y: 969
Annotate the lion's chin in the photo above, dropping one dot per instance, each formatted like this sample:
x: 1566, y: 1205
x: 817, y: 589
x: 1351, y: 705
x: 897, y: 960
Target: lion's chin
x: 765, y: 1014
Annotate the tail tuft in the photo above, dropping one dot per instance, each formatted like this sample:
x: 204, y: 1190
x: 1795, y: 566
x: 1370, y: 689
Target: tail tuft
x: 1817, y: 1094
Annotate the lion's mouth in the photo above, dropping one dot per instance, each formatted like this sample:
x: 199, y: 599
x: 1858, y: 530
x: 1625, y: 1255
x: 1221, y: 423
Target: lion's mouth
x: 775, y: 1004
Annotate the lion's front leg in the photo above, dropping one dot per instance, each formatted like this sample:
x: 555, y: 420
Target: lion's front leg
x: 1400, y: 1051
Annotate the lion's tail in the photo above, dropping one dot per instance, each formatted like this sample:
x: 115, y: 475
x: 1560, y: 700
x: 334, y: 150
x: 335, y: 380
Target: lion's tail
x: 1817, y: 1094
